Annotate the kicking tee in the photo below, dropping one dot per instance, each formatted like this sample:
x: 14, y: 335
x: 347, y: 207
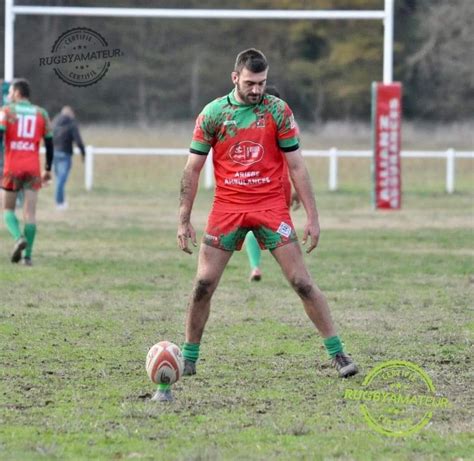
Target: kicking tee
x: 24, y: 124
x: 247, y: 141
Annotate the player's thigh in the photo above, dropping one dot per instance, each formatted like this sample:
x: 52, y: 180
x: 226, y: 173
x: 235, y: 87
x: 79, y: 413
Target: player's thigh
x: 8, y: 199
x: 290, y: 259
x: 29, y: 207
x: 212, y: 262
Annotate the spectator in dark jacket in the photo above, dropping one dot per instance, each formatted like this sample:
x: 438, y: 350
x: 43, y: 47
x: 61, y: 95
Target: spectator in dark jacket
x: 65, y: 132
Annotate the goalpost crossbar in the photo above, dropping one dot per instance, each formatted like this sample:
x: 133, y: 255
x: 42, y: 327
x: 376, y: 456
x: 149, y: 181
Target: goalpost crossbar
x: 198, y: 13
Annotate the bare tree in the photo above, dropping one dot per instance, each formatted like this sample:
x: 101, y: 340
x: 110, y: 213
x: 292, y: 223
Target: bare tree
x: 443, y: 61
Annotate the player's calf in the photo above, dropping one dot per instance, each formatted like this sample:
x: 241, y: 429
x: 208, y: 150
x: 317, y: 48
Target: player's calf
x: 304, y: 288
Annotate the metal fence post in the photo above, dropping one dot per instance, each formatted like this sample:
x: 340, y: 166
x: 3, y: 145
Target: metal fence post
x: 332, y: 169
x: 89, y: 168
x: 450, y: 170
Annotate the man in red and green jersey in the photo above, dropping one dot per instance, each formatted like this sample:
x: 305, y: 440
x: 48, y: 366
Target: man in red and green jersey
x: 246, y: 141
x: 249, y: 133
x: 22, y: 126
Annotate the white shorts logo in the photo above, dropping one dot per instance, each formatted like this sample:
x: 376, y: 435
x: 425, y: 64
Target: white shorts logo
x: 284, y: 229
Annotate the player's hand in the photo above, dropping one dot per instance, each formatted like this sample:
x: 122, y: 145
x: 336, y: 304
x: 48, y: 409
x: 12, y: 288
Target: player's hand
x: 295, y: 203
x: 311, y: 230
x: 46, y: 177
x: 186, y: 232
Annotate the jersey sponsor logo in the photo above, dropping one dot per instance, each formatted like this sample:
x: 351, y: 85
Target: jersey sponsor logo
x: 22, y: 145
x: 246, y: 153
x: 284, y: 229
x: 247, y: 178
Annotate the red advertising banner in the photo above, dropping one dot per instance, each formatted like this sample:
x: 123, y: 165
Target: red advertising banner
x: 386, y: 120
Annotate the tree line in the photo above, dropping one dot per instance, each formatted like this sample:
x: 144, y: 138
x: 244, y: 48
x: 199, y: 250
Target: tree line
x: 170, y: 68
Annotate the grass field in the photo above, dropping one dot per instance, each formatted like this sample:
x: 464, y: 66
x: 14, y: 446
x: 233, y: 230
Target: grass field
x: 109, y: 282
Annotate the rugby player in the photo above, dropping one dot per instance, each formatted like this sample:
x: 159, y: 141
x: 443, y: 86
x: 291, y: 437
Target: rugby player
x: 250, y: 132
x: 22, y: 125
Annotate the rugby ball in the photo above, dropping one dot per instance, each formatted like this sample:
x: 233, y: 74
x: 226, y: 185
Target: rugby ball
x: 164, y: 363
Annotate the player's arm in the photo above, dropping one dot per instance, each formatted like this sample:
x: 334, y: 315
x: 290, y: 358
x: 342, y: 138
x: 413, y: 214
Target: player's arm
x: 188, y: 190
x: 302, y: 182
x: 78, y: 140
x: 48, y: 145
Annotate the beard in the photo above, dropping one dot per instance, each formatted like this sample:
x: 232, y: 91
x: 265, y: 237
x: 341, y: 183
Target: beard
x: 248, y: 98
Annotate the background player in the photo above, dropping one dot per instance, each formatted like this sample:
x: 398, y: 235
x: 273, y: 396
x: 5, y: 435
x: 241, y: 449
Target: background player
x: 22, y: 125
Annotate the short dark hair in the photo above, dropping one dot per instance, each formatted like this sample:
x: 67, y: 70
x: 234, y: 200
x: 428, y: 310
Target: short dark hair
x: 23, y: 86
x: 254, y: 60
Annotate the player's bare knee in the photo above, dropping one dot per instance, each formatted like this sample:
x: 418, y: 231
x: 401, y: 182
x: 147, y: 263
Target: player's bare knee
x: 202, y: 289
x: 303, y: 287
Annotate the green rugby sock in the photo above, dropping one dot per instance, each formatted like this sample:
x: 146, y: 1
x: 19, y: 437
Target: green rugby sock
x: 333, y: 345
x: 12, y: 224
x: 253, y: 250
x: 191, y: 351
x: 30, y: 233
x: 164, y: 387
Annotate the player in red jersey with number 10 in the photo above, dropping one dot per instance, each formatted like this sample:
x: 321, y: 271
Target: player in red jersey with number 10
x: 22, y: 126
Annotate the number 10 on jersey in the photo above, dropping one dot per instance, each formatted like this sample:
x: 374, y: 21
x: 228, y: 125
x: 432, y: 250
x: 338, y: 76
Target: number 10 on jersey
x: 26, y: 126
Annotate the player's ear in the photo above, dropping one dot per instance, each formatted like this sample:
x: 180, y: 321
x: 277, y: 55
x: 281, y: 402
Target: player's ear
x: 235, y: 77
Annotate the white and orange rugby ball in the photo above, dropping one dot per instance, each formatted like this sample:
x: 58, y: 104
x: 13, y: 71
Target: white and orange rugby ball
x: 164, y: 363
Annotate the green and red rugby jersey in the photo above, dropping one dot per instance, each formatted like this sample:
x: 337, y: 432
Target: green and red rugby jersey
x: 24, y: 124
x: 247, y: 142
